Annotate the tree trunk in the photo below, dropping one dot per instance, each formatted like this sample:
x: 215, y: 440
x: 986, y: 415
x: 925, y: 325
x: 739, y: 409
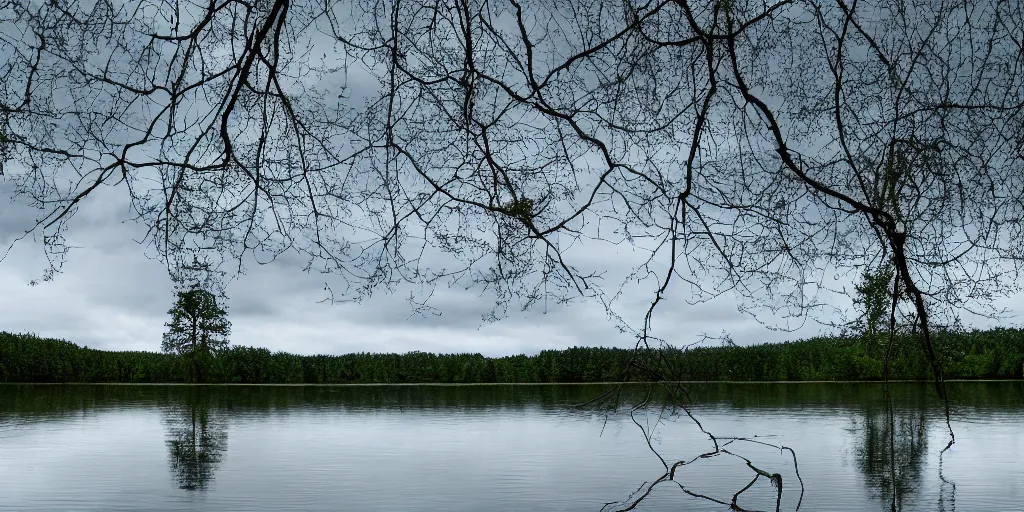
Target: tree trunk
x: 194, y: 340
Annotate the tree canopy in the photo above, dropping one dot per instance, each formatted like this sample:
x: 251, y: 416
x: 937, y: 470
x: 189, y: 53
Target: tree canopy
x: 744, y: 147
x: 198, y: 328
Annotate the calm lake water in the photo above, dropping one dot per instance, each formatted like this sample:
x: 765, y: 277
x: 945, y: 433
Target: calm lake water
x: 505, y: 448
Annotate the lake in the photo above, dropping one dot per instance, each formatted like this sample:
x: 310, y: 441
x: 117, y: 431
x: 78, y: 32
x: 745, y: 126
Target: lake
x: 508, y: 448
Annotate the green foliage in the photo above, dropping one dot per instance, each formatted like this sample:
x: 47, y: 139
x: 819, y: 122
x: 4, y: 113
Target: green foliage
x: 198, y: 330
x: 993, y: 354
x: 521, y: 208
x: 874, y: 300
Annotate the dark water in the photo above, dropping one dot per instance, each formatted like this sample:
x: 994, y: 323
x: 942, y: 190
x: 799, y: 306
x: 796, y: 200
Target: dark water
x: 484, y: 448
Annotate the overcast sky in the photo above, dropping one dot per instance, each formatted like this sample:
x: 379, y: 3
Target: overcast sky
x: 111, y: 296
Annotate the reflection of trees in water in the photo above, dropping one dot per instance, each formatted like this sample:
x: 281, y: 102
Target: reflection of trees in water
x: 196, y: 441
x: 891, y: 452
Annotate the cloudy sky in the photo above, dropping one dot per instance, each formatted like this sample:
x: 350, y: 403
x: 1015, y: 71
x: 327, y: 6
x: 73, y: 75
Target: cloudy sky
x: 110, y: 295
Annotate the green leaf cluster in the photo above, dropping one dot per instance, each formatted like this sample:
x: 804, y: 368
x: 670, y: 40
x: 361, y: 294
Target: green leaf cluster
x: 521, y: 208
x: 874, y: 300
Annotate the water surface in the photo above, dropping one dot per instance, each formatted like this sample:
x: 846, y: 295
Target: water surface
x: 474, y: 448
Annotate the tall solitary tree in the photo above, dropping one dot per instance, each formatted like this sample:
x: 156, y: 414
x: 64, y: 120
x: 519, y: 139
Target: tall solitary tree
x: 197, y: 330
x: 874, y: 300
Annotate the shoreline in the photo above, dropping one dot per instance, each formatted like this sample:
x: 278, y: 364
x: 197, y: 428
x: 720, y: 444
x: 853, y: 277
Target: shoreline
x: 480, y: 384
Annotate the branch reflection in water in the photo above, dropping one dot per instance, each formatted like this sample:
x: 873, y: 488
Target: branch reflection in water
x: 889, y: 431
x: 675, y: 404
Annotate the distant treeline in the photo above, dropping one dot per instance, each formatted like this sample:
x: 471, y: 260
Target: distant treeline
x: 992, y: 354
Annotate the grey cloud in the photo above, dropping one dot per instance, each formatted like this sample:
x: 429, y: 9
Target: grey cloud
x: 112, y: 296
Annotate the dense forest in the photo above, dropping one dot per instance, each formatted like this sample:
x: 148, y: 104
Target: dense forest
x: 992, y: 354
